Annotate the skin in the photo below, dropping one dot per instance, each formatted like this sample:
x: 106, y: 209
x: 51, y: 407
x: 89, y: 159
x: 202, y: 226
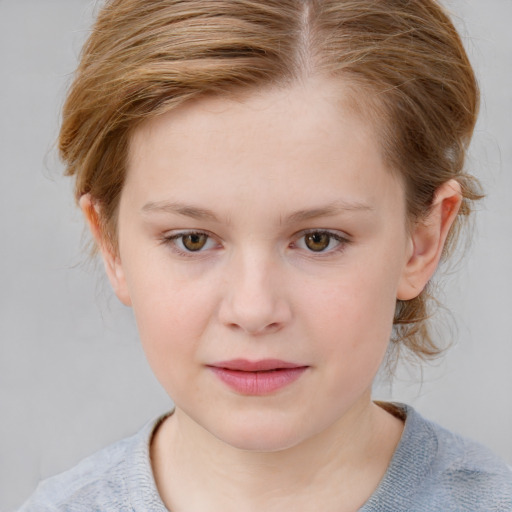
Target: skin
x: 254, y: 174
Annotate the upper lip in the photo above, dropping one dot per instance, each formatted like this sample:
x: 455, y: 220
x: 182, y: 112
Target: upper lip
x: 245, y: 365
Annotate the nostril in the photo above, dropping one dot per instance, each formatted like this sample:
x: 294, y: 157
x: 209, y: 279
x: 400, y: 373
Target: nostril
x: 272, y: 327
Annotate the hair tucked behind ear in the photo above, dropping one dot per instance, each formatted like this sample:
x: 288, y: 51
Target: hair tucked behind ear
x: 403, y: 60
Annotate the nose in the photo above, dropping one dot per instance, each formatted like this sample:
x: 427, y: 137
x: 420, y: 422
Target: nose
x: 254, y: 299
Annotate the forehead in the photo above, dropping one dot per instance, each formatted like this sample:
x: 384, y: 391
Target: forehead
x: 306, y: 137
x: 316, y: 102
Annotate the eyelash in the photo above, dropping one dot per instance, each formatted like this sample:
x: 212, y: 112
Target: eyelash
x: 342, y: 241
x: 172, y: 239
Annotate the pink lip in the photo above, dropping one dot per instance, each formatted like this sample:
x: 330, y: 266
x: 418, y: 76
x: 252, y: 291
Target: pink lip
x: 257, y: 377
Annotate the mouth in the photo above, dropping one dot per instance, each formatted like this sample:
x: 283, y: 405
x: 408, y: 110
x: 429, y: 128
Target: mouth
x: 257, y: 378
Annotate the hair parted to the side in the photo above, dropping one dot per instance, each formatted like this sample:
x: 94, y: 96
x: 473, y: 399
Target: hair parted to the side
x: 403, y: 60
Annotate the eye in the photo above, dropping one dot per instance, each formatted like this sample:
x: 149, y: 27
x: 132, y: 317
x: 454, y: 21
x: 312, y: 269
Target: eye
x: 321, y: 241
x: 317, y: 241
x: 192, y: 241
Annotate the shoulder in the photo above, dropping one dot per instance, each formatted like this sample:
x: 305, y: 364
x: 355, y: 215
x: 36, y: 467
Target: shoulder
x: 114, y: 478
x: 469, y: 474
x: 434, y: 469
x: 87, y: 483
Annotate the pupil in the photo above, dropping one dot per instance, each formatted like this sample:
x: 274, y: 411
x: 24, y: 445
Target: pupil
x: 317, y: 241
x: 194, y: 242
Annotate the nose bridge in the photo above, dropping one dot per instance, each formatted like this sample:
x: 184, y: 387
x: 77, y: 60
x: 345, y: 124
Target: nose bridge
x: 255, y: 300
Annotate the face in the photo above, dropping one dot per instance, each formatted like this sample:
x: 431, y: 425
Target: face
x: 262, y: 245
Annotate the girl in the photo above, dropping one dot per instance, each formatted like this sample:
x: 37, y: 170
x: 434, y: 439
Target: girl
x: 271, y: 185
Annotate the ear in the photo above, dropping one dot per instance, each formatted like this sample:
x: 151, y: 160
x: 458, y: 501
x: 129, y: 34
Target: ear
x: 110, y: 257
x: 428, y: 237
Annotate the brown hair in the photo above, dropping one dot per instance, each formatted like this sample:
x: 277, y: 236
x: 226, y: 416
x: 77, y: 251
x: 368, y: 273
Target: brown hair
x: 146, y: 57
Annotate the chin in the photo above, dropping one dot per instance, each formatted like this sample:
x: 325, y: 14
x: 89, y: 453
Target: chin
x: 261, y: 435
x: 265, y: 442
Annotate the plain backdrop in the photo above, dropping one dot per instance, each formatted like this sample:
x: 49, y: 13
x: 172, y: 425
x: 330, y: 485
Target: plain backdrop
x: 73, y: 377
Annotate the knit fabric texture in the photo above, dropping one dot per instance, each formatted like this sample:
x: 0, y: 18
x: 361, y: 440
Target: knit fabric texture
x: 432, y: 470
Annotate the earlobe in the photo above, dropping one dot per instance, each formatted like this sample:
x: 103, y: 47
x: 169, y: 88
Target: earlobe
x: 427, y: 238
x: 111, y: 260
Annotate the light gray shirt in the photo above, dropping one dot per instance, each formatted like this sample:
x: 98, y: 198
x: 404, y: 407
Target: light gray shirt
x: 432, y: 470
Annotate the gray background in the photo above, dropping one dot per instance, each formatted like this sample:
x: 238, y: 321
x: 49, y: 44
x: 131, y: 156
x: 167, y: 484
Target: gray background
x: 72, y: 375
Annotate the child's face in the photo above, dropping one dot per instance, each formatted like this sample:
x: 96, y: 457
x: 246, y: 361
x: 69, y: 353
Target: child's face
x: 293, y: 248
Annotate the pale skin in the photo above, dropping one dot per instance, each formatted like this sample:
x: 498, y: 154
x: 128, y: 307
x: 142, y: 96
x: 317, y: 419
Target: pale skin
x: 253, y: 179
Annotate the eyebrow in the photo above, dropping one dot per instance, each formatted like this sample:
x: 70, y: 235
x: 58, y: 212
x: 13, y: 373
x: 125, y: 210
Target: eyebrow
x: 180, y: 209
x: 187, y: 210
x: 330, y: 210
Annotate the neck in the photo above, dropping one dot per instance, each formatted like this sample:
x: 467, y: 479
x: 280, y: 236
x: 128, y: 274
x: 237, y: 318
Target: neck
x: 344, y: 464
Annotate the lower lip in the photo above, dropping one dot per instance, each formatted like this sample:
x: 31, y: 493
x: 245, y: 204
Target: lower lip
x: 258, y: 383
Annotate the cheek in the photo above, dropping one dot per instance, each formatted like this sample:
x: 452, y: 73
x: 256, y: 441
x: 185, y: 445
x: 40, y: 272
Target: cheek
x: 360, y: 299
x: 171, y: 312
x: 170, y: 327
x: 359, y: 326
x: 352, y: 316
